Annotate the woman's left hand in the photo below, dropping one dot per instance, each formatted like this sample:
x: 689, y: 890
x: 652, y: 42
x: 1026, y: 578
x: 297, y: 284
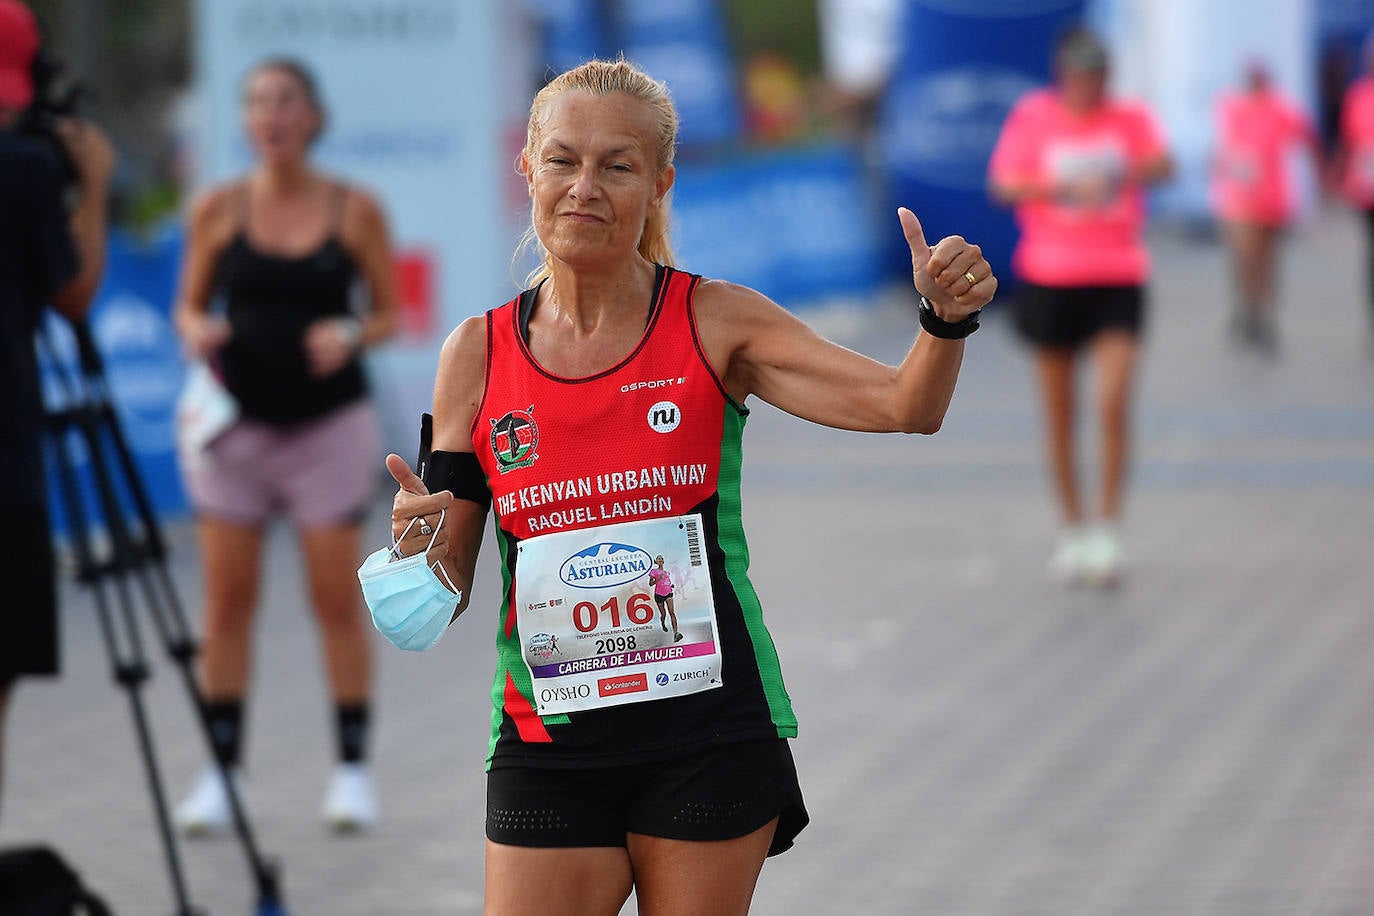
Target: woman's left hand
x: 954, y: 276
x: 330, y: 343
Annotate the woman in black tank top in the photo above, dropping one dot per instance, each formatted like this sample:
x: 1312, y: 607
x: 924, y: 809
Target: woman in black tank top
x: 287, y: 252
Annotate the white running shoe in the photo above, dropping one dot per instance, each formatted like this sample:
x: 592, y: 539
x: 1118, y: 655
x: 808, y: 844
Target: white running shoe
x: 351, y: 803
x: 1102, y: 556
x: 205, y: 810
x: 1066, y: 566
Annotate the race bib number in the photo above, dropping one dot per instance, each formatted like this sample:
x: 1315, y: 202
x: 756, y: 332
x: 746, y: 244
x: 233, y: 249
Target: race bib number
x: 1242, y: 167
x: 593, y: 632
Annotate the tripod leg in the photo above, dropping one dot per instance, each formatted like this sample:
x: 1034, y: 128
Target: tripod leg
x: 127, y: 660
x: 170, y: 621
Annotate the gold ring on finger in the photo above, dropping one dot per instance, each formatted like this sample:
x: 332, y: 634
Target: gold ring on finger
x: 968, y: 275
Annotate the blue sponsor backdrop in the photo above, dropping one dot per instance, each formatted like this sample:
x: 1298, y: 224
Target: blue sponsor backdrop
x: 964, y: 63
x: 681, y: 42
x: 132, y: 327
x: 573, y: 30
x: 798, y: 225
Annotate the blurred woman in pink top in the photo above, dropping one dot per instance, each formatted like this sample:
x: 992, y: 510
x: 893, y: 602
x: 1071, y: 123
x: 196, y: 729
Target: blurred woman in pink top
x: 1357, y: 150
x: 1256, y: 129
x: 1074, y: 164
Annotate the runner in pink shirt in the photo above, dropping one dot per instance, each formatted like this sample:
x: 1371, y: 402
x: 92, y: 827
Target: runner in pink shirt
x: 1357, y: 150
x: 1074, y: 163
x: 1256, y: 130
x: 663, y: 594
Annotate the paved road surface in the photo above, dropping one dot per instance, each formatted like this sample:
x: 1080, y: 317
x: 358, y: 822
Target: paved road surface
x: 974, y: 741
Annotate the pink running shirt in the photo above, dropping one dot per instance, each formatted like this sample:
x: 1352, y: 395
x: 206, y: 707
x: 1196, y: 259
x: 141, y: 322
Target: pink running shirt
x: 1255, y: 131
x: 1064, y: 243
x: 1357, y: 134
x: 663, y: 583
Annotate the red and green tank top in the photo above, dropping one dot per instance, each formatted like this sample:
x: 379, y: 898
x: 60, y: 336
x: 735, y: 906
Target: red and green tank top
x: 593, y: 480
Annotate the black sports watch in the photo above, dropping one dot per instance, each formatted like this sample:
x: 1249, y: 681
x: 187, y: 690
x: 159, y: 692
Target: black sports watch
x: 936, y: 326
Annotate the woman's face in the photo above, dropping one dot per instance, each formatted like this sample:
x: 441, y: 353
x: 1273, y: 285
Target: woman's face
x: 278, y: 116
x: 659, y: 561
x: 1082, y: 89
x: 593, y: 177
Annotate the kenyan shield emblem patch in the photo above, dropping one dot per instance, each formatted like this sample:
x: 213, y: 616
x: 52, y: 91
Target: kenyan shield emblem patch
x: 514, y: 439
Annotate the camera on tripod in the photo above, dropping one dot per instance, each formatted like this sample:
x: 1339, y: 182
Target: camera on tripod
x: 57, y: 95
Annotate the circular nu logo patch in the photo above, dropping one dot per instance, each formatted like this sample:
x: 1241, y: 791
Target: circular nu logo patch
x: 514, y: 439
x: 664, y: 417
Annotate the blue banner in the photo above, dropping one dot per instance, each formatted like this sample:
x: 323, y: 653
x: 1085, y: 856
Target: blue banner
x: 797, y: 226
x: 683, y: 43
x: 573, y: 31
x: 680, y: 42
x: 963, y: 65
x: 132, y: 327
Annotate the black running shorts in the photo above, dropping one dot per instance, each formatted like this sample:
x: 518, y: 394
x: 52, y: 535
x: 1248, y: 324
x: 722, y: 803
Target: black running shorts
x: 1070, y: 316
x: 719, y: 793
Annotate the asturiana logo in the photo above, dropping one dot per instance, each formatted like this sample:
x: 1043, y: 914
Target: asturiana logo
x: 605, y: 565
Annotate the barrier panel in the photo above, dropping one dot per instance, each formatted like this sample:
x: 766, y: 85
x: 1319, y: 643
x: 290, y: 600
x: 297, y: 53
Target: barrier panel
x: 131, y: 323
x: 963, y: 65
x: 798, y: 226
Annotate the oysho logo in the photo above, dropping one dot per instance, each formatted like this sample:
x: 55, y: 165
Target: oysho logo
x: 605, y: 565
x: 664, y: 417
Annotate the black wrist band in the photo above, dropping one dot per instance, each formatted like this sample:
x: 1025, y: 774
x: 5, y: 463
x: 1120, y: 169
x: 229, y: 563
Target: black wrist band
x: 458, y: 472
x: 936, y: 326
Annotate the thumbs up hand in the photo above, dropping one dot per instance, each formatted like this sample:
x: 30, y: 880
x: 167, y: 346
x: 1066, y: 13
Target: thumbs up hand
x: 954, y: 276
x: 417, y: 509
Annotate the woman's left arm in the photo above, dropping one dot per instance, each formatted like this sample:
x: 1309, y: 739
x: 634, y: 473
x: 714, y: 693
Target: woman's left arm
x: 330, y: 343
x: 757, y: 347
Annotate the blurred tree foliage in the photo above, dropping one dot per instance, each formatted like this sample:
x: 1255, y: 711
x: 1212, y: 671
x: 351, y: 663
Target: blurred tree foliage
x: 790, y: 28
x: 134, y: 57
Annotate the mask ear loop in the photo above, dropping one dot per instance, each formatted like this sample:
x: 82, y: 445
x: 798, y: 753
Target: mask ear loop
x: 437, y: 565
x: 396, y: 542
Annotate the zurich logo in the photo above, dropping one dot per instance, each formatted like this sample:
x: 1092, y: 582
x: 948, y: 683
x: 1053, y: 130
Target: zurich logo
x: 661, y: 680
x: 605, y: 565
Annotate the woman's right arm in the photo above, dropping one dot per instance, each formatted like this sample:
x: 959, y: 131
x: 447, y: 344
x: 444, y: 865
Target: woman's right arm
x: 458, y: 388
x: 210, y: 225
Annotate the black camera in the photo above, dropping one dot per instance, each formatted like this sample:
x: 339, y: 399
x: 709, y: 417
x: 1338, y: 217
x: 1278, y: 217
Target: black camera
x: 56, y: 95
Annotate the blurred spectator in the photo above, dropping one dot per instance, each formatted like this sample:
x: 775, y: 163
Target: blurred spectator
x: 1251, y: 193
x: 860, y: 41
x: 776, y: 106
x: 286, y: 248
x: 1074, y: 162
x: 1357, y: 152
x: 47, y: 257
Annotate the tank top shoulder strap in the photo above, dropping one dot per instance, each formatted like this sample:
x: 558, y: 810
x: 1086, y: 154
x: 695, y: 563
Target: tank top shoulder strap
x: 502, y: 330
x: 680, y: 317
x: 243, y: 203
x: 338, y: 204
x: 675, y: 319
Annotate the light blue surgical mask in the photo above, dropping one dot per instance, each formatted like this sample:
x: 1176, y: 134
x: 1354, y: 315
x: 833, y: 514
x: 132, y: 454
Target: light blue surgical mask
x: 409, y: 605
